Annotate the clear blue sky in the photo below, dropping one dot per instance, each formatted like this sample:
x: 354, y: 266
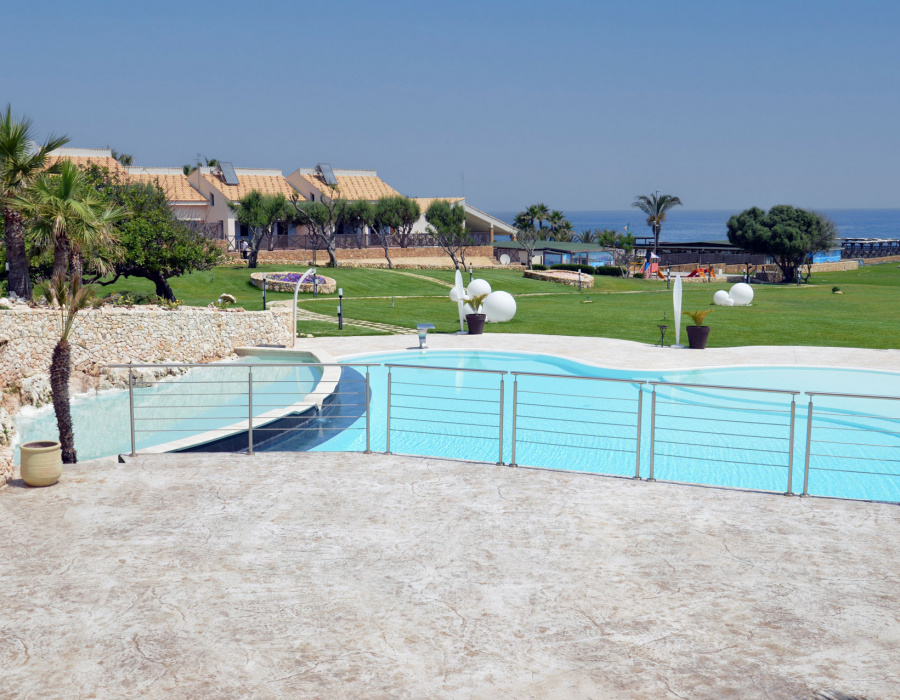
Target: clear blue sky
x: 581, y: 105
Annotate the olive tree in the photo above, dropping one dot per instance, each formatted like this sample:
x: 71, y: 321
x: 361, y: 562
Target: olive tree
x: 788, y: 234
x: 394, y: 219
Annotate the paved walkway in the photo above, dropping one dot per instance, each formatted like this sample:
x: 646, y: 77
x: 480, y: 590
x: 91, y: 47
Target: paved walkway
x: 353, y: 576
x: 621, y: 354
x: 307, y: 315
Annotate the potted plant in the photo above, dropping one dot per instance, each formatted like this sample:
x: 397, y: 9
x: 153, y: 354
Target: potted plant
x: 475, y: 320
x: 698, y: 333
x: 41, y: 462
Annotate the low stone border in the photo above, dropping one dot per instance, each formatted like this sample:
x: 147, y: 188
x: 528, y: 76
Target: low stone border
x: 330, y: 286
x: 565, y: 277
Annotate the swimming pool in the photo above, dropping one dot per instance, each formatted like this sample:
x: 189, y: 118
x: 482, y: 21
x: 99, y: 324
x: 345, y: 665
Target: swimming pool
x: 701, y: 435
x: 555, y: 413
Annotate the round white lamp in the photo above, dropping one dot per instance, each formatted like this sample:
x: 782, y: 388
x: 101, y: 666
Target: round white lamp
x: 499, y: 307
x: 742, y: 294
x: 720, y: 298
x: 478, y: 287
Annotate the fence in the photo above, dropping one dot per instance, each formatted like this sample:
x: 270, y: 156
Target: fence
x: 349, y: 241
x: 737, y: 437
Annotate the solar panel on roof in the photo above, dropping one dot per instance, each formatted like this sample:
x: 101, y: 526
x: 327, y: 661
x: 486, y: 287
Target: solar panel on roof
x: 228, y: 174
x: 328, y: 174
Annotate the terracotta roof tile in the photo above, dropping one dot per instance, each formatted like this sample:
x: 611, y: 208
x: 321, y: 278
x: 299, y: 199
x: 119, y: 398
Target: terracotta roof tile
x: 425, y: 202
x: 353, y: 187
x: 85, y: 161
x: 267, y: 184
x: 176, y: 186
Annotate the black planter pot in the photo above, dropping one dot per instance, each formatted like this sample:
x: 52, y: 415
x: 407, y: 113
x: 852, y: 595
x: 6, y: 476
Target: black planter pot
x: 475, y: 323
x: 697, y: 336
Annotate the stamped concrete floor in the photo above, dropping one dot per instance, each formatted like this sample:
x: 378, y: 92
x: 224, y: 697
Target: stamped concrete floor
x: 354, y: 576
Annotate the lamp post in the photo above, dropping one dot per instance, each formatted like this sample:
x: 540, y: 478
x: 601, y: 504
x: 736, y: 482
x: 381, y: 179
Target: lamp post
x: 264, y: 291
x: 340, y: 309
x: 470, y: 273
x: 747, y: 276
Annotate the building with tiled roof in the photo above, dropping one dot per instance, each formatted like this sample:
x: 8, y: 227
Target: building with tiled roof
x: 477, y: 221
x: 86, y: 157
x: 351, y: 184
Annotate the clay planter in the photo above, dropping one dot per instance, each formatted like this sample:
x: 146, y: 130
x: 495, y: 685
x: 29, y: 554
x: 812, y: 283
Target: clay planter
x: 475, y: 323
x: 41, y: 462
x: 697, y: 336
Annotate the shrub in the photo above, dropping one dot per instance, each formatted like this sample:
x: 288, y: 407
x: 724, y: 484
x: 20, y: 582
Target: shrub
x: 835, y: 289
x: 538, y: 267
x: 638, y: 275
x: 698, y: 317
x: 608, y: 270
x: 587, y: 269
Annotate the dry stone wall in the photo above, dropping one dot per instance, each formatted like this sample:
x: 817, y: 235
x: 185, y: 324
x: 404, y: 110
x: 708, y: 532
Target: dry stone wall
x: 141, y: 334
x: 112, y: 335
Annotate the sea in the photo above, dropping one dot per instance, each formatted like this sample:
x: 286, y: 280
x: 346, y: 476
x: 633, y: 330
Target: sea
x: 684, y: 225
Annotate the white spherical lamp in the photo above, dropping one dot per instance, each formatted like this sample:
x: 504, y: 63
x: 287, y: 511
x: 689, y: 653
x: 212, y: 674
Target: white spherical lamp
x: 499, y: 307
x: 742, y: 294
x: 454, y: 294
x: 721, y: 298
x: 478, y: 287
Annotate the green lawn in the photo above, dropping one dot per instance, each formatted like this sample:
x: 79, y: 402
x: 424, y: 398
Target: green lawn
x: 867, y: 314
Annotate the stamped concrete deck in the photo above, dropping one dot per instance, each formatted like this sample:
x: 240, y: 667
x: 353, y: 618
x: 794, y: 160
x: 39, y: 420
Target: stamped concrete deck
x: 353, y: 576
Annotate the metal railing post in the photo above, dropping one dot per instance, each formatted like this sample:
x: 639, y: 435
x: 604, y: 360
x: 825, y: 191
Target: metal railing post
x: 388, y: 441
x: 515, y: 407
x: 500, y: 456
x: 652, y: 430
x: 131, y: 407
x: 637, y: 451
x: 809, y: 423
x: 250, y: 410
x: 368, y: 412
x: 791, y: 447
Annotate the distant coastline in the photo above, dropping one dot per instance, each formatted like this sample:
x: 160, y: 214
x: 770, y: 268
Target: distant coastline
x: 685, y: 225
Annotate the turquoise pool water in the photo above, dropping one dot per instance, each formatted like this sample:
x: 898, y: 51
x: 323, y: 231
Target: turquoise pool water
x: 708, y: 436
x: 204, y: 399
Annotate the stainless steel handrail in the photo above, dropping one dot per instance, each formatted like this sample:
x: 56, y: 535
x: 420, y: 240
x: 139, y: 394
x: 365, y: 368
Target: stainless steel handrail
x: 238, y: 365
x: 575, y: 376
x: 853, y: 396
x: 727, y: 388
x: 448, y: 369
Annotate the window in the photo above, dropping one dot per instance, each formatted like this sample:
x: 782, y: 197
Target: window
x: 245, y: 231
x: 212, y: 199
x: 312, y: 197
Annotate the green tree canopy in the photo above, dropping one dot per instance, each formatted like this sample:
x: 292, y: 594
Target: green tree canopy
x: 393, y: 220
x: 152, y: 242
x: 260, y: 212
x: 448, y: 226
x: 21, y: 161
x: 788, y: 234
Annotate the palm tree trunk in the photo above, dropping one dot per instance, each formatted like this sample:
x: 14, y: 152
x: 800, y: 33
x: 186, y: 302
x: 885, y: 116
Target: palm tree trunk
x: 16, y: 256
x: 75, y: 264
x: 60, y: 368
x: 61, y: 256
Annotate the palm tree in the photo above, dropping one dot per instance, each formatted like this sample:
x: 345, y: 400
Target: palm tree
x: 69, y: 216
x: 538, y: 214
x: 586, y: 236
x: 68, y: 298
x: 560, y: 227
x: 21, y: 160
x: 655, y: 207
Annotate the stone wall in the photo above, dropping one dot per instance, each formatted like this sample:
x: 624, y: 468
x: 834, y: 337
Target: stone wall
x: 113, y: 335
x: 369, y: 257
x: 140, y: 334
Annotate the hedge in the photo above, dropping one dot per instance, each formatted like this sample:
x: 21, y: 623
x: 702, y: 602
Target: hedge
x: 608, y: 270
x: 587, y: 269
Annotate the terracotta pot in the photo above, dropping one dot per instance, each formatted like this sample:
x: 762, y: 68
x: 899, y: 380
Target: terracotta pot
x: 697, y: 336
x: 475, y: 323
x: 41, y: 462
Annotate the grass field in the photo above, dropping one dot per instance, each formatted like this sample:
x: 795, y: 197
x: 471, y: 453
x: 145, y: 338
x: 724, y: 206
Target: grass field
x: 866, y: 314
